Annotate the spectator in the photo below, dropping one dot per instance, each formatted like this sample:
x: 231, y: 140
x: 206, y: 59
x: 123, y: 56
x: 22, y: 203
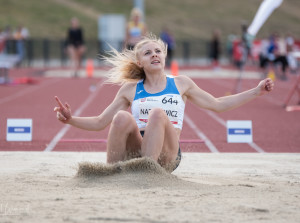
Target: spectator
x: 20, y: 35
x: 8, y: 39
x: 281, y: 56
x: 247, y: 44
x: 290, y: 45
x: 215, y: 48
x: 277, y: 54
x: 263, y: 57
x: 75, y: 45
x: 25, y: 32
x: 239, y: 54
x: 135, y: 29
x: 2, y: 41
x: 229, y: 46
x: 166, y: 36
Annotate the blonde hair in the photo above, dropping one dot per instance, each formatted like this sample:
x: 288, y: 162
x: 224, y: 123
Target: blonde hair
x: 124, y: 64
x: 136, y: 12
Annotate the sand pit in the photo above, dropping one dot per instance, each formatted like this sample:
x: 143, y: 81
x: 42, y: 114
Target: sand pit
x: 49, y: 187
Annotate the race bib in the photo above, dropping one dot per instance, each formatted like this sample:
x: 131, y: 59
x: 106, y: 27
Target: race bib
x: 169, y: 103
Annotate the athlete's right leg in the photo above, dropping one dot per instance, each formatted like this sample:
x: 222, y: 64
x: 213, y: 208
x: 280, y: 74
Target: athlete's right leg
x: 78, y: 56
x: 124, y: 137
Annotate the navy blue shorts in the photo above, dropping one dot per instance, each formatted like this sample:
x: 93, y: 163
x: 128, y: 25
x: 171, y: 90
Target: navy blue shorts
x: 178, y: 158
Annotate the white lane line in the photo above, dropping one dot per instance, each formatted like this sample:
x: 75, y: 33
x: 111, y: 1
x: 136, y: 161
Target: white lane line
x: 64, y: 130
x: 56, y: 138
x: 222, y: 122
x: 200, y: 134
x: 256, y: 147
x: 26, y: 91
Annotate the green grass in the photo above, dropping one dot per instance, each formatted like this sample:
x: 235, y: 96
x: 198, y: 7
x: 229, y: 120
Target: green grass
x: 192, y: 19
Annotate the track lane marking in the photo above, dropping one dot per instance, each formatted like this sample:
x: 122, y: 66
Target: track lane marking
x: 222, y: 122
x: 105, y: 140
x: 200, y: 134
x: 64, y: 130
x: 26, y: 91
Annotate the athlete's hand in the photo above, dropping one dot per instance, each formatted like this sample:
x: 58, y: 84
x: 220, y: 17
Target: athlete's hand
x: 265, y: 86
x: 63, y: 112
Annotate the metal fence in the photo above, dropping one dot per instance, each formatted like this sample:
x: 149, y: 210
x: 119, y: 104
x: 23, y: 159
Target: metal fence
x: 52, y: 52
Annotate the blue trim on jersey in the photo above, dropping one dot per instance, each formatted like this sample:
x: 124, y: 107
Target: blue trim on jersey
x: 169, y: 89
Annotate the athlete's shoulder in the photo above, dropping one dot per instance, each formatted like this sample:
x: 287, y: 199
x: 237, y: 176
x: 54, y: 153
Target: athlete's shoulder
x: 184, y: 83
x: 129, y: 86
x: 182, y: 79
x: 127, y: 90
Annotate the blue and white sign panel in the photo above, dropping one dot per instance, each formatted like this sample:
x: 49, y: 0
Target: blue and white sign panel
x: 19, y: 130
x: 239, y: 131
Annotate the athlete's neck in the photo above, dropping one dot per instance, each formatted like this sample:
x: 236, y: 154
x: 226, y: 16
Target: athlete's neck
x: 155, y: 83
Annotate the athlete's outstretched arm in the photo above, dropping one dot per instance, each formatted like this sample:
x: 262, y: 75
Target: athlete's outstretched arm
x: 95, y: 123
x: 205, y: 100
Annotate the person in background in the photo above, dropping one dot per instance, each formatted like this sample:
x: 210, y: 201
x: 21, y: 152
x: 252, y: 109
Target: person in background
x: 7, y: 35
x: 135, y: 29
x: 75, y: 45
x: 2, y: 41
x: 167, y: 37
x: 20, y: 35
x: 281, y: 57
x: 290, y: 47
x: 263, y: 57
x: 215, y: 49
x: 229, y: 46
x: 246, y: 42
x: 277, y: 55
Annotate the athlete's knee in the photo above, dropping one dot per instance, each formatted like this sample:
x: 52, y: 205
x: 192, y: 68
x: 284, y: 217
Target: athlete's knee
x: 121, y: 120
x: 157, y: 115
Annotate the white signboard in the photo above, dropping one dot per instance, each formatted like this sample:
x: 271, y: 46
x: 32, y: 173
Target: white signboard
x: 112, y: 28
x: 19, y: 130
x: 239, y: 131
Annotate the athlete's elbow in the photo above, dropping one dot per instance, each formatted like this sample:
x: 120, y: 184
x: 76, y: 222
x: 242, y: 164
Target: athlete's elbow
x: 99, y: 124
x: 216, y: 106
x: 219, y: 107
x: 221, y: 110
x: 217, y: 110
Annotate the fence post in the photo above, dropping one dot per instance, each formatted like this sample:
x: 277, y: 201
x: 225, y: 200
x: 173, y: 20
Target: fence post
x: 186, y: 51
x: 62, y: 52
x: 100, y: 49
x: 46, y: 51
x: 29, y: 51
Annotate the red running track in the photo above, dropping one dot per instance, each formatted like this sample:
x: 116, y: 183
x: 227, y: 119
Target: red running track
x: 274, y: 129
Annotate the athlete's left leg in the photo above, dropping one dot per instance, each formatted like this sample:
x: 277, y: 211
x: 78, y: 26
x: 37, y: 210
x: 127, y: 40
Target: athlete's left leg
x: 160, y: 141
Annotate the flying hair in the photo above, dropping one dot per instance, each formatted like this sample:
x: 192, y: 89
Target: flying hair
x: 124, y: 64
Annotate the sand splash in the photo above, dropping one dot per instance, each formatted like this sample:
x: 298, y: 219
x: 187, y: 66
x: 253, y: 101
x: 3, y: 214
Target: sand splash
x: 142, y: 165
x: 135, y: 173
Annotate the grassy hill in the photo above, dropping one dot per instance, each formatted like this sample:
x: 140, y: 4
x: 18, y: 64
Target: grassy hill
x: 192, y: 19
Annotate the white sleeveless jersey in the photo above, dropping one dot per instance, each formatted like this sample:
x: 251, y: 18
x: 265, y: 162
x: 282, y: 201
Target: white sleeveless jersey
x: 169, y: 100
